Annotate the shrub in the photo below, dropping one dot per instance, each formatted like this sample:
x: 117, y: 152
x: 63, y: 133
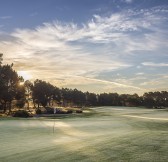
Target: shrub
x: 60, y: 111
x: 21, y: 113
x: 79, y: 111
x: 49, y: 110
x: 69, y: 112
x: 20, y: 103
x: 38, y: 111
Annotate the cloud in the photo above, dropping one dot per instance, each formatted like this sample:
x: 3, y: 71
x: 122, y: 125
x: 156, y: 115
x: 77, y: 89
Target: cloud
x: 128, y: 1
x: 113, y: 83
x: 98, y: 85
x: 51, y: 44
x: 34, y: 14
x: 69, y: 53
x: 153, y: 83
x: 5, y: 17
x: 140, y: 73
x: 155, y: 64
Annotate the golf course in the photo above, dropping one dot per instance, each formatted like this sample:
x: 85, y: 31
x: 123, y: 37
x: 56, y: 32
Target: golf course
x: 118, y: 134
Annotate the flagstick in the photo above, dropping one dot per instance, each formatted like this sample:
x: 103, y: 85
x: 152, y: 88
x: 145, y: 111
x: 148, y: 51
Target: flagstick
x: 54, y: 121
x: 54, y: 127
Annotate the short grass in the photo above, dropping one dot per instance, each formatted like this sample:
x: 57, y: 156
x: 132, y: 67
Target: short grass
x: 104, y: 134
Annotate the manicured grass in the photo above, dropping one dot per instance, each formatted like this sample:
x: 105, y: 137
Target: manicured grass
x: 108, y: 134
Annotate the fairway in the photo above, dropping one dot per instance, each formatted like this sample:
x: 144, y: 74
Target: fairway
x: 116, y: 134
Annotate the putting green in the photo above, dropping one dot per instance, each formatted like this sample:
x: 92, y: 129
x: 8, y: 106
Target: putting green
x: 109, y: 134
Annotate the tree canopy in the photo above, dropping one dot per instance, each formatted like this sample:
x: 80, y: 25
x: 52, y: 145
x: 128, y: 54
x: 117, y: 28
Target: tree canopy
x: 10, y: 87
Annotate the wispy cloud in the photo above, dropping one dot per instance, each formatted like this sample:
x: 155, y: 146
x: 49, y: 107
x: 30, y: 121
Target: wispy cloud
x: 152, y: 64
x: 5, y: 17
x: 128, y: 1
x: 57, y: 51
x: 113, y: 83
x: 99, y: 85
x: 140, y: 73
x: 151, y: 83
x: 34, y: 14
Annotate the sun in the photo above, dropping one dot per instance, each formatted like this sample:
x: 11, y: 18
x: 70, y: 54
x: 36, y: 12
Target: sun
x: 25, y: 74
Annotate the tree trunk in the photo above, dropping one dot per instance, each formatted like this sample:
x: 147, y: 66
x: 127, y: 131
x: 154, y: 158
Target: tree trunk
x: 4, y: 107
x: 34, y: 104
x: 10, y: 106
x: 28, y: 106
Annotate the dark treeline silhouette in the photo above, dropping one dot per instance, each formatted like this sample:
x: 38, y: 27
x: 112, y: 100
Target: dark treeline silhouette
x: 16, y: 93
x: 10, y: 88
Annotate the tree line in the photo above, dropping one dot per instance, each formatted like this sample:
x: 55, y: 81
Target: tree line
x: 14, y: 92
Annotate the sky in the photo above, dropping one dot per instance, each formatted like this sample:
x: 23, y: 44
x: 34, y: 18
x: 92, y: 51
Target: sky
x: 92, y: 45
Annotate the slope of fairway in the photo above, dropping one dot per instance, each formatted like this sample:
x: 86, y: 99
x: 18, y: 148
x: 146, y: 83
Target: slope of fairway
x: 109, y: 134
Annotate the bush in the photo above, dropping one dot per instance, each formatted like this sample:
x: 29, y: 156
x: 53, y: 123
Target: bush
x: 38, y: 111
x: 61, y: 111
x: 20, y: 103
x: 21, y: 113
x: 69, y: 112
x: 79, y: 111
x: 49, y: 110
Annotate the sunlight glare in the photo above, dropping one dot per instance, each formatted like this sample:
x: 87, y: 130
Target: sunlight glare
x: 25, y: 74
x: 21, y: 83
